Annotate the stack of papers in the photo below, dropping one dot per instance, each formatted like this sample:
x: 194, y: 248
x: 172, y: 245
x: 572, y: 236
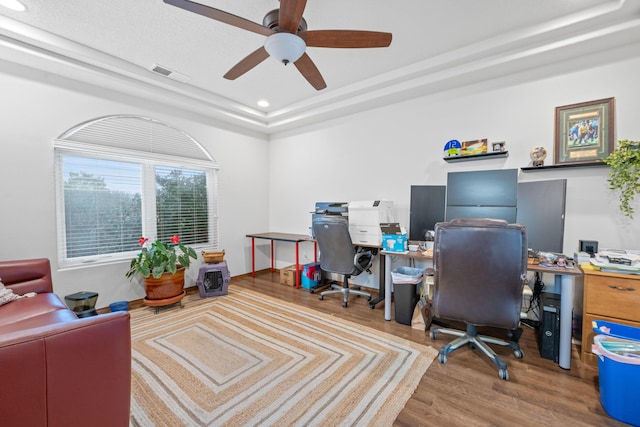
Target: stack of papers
x: 617, y: 261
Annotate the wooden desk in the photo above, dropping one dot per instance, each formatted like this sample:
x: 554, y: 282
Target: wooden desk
x: 611, y: 297
x: 564, y: 284
x: 281, y: 237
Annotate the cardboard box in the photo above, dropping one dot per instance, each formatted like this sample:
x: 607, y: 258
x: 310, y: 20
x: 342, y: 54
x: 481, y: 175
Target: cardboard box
x: 393, y: 239
x: 288, y: 275
x: 394, y: 242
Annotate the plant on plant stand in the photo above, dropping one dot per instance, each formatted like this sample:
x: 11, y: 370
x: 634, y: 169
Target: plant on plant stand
x: 624, y: 175
x: 162, y: 267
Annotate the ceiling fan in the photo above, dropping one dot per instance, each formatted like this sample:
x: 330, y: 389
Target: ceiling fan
x: 287, y: 37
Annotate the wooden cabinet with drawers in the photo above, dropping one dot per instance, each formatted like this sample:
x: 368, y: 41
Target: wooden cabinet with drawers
x: 610, y: 297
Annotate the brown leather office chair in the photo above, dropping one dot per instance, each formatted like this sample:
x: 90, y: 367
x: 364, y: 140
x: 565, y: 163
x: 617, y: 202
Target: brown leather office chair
x: 480, y: 268
x: 339, y: 255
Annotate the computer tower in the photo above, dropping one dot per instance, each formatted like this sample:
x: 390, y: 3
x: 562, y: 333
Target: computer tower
x: 549, y: 331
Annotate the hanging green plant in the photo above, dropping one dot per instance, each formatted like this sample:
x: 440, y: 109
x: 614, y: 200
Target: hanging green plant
x: 624, y: 175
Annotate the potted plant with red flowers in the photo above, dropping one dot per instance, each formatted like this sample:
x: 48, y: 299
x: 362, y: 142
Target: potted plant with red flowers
x: 162, y: 265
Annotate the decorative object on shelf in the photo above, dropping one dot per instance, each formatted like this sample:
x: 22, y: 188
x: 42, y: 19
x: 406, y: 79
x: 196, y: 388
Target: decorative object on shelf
x: 584, y: 132
x: 452, y: 148
x: 162, y: 267
x: 498, y: 146
x: 470, y: 148
x: 624, y: 175
x: 538, y: 154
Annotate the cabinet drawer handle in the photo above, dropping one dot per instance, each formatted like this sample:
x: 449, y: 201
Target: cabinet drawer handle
x: 621, y: 288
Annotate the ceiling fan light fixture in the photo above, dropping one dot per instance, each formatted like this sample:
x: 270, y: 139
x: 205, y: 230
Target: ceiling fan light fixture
x: 285, y: 47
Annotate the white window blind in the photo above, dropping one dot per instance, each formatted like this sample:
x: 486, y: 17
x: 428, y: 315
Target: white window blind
x: 181, y: 204
x: 109, y: 195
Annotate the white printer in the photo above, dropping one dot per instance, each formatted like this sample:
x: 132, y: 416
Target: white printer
x: 365, y: 219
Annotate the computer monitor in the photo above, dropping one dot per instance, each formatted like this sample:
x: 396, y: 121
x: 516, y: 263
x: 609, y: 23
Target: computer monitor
x: 541, y: 208
x: 427, y: 206
x: 483, y: 188
x: 482, y: 194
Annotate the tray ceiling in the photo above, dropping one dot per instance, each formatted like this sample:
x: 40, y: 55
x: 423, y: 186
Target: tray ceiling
x: 436, y: 45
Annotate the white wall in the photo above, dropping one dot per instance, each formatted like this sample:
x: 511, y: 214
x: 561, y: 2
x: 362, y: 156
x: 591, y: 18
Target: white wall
x: 273, y: 186
x: 37, y: 107
x: 381, y: 153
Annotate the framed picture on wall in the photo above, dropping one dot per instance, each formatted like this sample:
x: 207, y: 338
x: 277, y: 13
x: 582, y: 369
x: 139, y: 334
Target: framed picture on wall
x: 498, y: 146
x: 584, y: 132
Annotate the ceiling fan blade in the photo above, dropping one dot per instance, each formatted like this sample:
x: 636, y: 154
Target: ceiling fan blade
x: 345, y: 38
x: 310, y: 72
x: 247, y: 63
x: 221, y: 16
x: 290, y: 14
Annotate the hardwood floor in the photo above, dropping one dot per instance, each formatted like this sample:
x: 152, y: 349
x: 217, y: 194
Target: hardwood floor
x: 466, y: 391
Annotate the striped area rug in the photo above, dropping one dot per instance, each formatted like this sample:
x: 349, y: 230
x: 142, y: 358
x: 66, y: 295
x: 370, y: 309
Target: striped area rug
x: 245, y: 359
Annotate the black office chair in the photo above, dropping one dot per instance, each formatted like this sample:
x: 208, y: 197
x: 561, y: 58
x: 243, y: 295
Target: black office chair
x: 480, y: 268
x: 338, y: 255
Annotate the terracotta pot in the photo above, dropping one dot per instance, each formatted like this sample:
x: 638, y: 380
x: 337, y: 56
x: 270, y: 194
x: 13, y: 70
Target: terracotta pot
x: 166, y: 286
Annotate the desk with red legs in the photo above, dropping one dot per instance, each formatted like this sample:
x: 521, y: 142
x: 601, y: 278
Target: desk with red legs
x: 281, y: 237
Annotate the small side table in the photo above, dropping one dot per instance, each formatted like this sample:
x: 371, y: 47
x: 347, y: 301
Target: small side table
x: 82, y: 303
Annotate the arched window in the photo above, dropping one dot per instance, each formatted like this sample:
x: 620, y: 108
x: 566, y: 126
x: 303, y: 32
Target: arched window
x: 122, y: 177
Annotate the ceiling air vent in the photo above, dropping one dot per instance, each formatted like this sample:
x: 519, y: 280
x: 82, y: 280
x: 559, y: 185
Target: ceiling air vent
x: 169, y: 73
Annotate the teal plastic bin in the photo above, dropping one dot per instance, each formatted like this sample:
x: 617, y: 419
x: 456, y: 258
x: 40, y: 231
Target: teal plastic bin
x: 618, y: 350
x: 311, y: 275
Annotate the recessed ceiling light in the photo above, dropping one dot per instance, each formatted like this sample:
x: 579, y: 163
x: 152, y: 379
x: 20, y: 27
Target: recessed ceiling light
x: 263, y: 103
x: 13, y: 5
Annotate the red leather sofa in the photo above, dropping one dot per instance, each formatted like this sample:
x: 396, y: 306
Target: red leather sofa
x: 57, y: 369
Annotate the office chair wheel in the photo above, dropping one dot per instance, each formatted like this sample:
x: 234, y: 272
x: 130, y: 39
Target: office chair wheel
x: 442, y: 358
x: 344, y: 304
x: 321, y: 297
x: 503, y: 374
x: 519, y: 354
x: 369, y: 298
x: 433, y: 335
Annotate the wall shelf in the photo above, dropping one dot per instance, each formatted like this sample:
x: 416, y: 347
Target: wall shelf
x: 561, y: 166
x: 494, y: 155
